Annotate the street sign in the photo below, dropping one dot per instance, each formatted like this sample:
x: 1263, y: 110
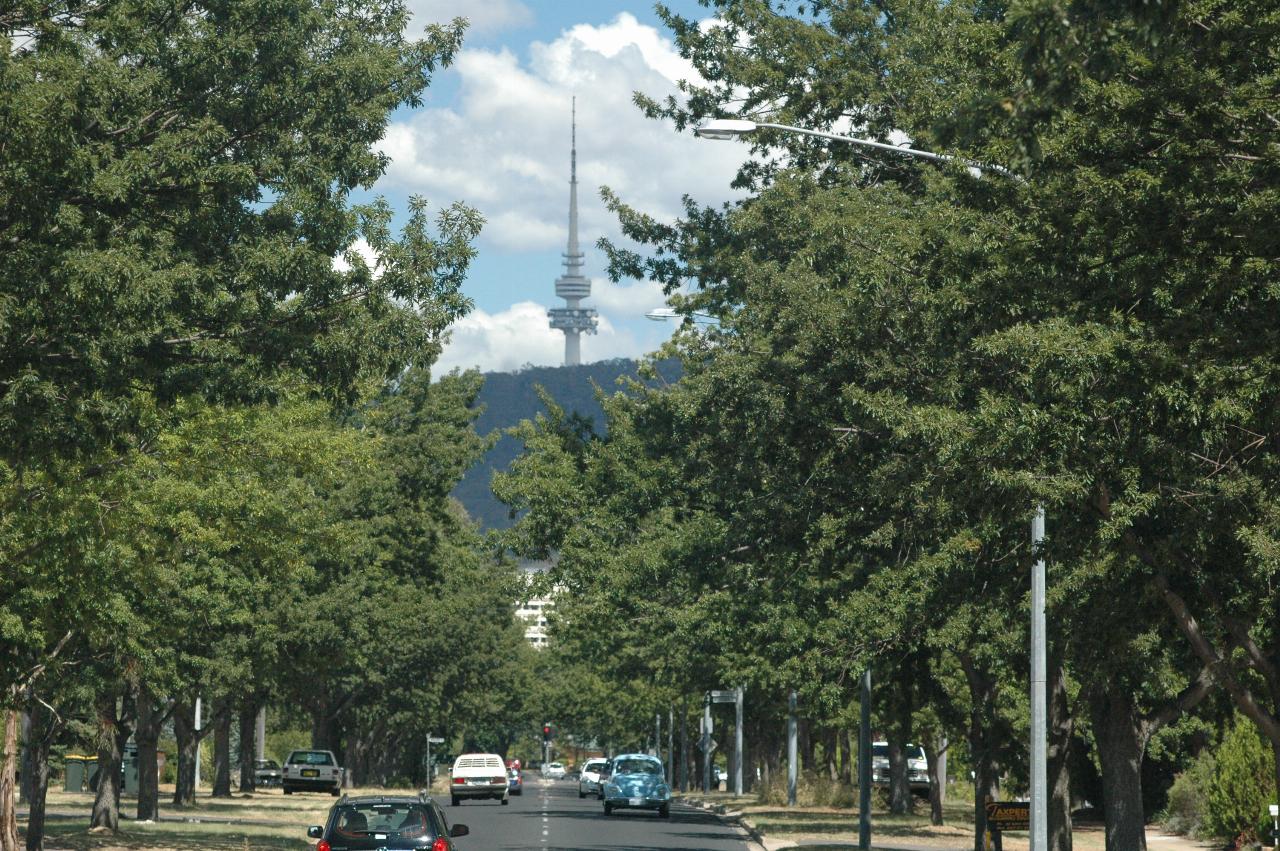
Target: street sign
x: 707, y: 744
x: 435, y: 740
x: 1009, y: 815
x: 724, y: 696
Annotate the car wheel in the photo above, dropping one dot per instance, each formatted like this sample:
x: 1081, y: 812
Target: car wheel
x: 608, y: 809
x: 453, y: 801
x: 581, y: 794
x: 288, y: 791
x: 664, y: 811
x: 335, y: 791
x: 506, y: 801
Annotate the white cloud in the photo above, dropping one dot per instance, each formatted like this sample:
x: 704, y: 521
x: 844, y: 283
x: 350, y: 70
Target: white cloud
x: 503, y: 146
x: 487, y: 17
x: 520, y: 335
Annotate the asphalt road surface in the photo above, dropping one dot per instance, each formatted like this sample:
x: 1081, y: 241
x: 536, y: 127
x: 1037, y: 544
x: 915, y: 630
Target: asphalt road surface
x: 549, y: 816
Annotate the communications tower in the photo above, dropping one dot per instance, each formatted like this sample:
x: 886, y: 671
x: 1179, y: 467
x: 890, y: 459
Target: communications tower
x: 573, y: 286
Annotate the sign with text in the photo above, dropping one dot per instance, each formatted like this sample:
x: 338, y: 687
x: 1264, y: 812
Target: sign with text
x: 724, y: 696
x: 1009, y: 815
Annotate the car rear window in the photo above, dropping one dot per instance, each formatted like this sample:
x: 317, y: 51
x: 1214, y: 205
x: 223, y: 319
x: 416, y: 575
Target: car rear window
x: 310, y: 758
x: 637, y: 766
x: 478, y: 762
x: 361, y: 826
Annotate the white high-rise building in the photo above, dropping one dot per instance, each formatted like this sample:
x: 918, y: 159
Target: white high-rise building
x: 573, y: 319
x: 533, y: 611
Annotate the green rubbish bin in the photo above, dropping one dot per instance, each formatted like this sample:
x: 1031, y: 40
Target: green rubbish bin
x: 130, y: 771
x: 74, y: 779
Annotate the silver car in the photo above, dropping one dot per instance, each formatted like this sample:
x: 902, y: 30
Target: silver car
x: 589, y: 777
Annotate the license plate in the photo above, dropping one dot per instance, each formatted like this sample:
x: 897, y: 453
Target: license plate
x: 310, y: 772
x: 635, y: 802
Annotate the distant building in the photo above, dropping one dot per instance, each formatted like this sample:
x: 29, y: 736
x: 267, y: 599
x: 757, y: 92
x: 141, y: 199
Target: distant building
x: 573, y: 319
x: 533, y: 611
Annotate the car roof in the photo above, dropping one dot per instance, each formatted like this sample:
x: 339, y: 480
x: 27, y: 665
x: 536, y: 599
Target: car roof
x: 383, y: 799
x: 649, y: 757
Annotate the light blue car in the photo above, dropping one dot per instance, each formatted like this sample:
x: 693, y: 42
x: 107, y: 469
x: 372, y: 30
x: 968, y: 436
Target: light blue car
x: 636, y: 782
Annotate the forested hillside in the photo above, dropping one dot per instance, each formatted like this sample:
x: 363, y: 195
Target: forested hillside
x: 509, y: 397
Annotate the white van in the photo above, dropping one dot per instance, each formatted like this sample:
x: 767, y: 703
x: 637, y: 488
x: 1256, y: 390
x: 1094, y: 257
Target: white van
x: 478, y: 775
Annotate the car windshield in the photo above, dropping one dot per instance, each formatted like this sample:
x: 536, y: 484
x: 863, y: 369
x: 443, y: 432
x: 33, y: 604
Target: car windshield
x: 593, y: 766
x: 370, y: 825
x: 908, y: 752
x: 267, y: 763
x: 636, y: 766
x: 310, y: 758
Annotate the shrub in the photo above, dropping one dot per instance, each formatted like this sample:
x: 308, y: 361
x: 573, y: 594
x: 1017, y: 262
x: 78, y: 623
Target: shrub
x: 1242, y: 786
x: 1185, y: 810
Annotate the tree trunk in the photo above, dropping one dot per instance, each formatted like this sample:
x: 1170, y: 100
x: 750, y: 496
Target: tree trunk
x: 1061, y: 729
x: 40, y: 734
x: 28, y: 769
x: 8, y: 783
x: 1121, y: 742
x: 322, y: 733
x: 184, y: 730
x: 221, y: 750
x: 982, y: 743
x: 111, y: 738
x: 899, y: 791
x: 248, y: 747
x: 147, y: 737
x: 846, y: 757
x: 937, y: 781
x: 829, y: 748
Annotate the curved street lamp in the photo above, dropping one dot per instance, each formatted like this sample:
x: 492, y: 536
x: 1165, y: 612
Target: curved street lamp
x: 732, y: 128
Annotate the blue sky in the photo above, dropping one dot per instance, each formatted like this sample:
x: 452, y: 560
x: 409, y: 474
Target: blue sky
x: 493, y: 132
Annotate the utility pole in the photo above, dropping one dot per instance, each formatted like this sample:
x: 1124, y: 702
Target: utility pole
x: 684, y: 745
x: 657, y: 735
x: 737, y: 741
x: 864, y: 763
x: 706, y: 738
x: 262, y: 732
x: 791, y: 748
x: 1039, y: 708
x: 197, y: 732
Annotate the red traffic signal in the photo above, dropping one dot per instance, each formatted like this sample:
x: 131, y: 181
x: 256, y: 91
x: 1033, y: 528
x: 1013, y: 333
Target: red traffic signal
x: 546, y: 731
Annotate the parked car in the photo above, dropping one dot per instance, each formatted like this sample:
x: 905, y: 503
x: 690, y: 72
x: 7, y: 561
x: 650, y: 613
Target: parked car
x: 636, y: 782
x: 515, y: 783
x: 917, y: 766
x: 589, y: 777
x: 266, y: 773
x: 553, y: 771
x: 390, y: 822
x: 478, y: 775
x: 311, y: 771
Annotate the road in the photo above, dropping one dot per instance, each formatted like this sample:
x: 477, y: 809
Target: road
x: 550, y: 817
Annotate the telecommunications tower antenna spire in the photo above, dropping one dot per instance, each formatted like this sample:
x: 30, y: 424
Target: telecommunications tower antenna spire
x: 573, y: 286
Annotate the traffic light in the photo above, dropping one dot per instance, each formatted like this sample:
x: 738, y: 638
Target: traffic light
x: 546, y: 732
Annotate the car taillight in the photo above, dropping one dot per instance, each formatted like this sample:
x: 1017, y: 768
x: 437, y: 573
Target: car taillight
x: 499, y: 780
x: 440, y: 844
x: 322, y: 845
x: 459, y: 780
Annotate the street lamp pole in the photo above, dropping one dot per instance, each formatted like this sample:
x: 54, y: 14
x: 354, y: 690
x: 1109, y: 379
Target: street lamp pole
x: 731, y: 128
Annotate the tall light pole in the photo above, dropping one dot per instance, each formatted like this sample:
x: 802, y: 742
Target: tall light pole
x: 731, y: 128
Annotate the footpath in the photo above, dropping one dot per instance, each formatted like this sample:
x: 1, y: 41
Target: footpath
x: 821, y: 829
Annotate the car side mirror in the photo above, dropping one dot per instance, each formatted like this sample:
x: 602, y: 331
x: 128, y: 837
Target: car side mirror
x: 459, y: 830
x: 315, y: 831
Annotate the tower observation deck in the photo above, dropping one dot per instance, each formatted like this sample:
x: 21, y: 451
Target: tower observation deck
x: 573, y: 319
